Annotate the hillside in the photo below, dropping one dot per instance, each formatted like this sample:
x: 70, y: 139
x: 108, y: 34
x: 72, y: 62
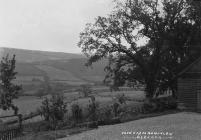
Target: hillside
x: 37, y: 56
x: 63, y: 70
x: 77, y: 68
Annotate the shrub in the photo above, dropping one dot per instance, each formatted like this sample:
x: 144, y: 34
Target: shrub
x: 85, y: 90
x: 53, y: 110
x: 105, y: 115
x: 40, y: 93
x: 150, y: 107
x: 115, y: 108
x: 121, y: 98
x: 161, y: 104
x: 76, y: 113
x: 171, y: 103
x: 93, y: 109
x: 110, y: 114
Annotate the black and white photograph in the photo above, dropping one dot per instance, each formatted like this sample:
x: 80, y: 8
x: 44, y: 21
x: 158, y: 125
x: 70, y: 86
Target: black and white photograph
x: 100, y: 69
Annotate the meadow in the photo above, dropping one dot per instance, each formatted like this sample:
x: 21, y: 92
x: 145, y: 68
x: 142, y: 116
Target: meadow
x: 28, y: 104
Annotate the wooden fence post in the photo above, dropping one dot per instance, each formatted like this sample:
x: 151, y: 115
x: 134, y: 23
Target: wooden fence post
x: 20, y: 122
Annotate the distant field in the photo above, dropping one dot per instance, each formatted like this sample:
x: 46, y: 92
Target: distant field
x: 69, y: 82
x: 29, y: 104
x: 59, y: 75
x: 68, y: 71
x: 77, y: 67
x: 94, y: 78
x: 132, y: 94
x: 29, y: 78
x: 105, y: 100
x: 38, y: 56
x: 26, y: 104
x: 28, y: 69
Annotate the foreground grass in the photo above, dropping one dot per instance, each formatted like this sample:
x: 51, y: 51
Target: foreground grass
x: 183, y: 126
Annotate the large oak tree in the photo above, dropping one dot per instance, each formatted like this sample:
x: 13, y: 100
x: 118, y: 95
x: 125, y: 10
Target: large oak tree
x: 170, y: 28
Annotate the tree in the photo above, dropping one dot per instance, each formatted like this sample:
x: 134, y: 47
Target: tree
x: 8, y: 90
x: 40, y: 92
x: 45, y: 87
x: 53, y: 109
x: 85, y: 90
x: 169, y: 29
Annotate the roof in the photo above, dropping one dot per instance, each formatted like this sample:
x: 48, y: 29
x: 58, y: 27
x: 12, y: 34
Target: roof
x: 189, y: 66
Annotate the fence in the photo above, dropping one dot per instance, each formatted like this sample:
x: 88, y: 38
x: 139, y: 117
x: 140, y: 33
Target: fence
x: 10, y: 131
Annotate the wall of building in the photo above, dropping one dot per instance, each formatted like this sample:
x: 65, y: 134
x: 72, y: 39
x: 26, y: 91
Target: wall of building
x: 187, y: 91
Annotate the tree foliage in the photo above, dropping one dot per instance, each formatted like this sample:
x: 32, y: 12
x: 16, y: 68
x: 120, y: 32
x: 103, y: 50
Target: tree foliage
x: 8, y: 90
x: 171, y: 29
x: 53, y: 109
x: 85, y: 90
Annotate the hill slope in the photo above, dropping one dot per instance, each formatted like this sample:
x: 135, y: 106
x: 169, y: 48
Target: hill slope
x: 77, y: 68
x: 63, y: 70
x: 37, y: 56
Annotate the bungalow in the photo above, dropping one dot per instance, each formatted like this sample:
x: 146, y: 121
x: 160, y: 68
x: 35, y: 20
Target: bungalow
x: 189, y: 87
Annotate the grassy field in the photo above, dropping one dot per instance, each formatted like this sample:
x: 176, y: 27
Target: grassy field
x: 57, y: 74
x: 28, y: 69
x: 30, y: 104
x: 182, y: 126
x: 27, y: 104
x: 139, y: 95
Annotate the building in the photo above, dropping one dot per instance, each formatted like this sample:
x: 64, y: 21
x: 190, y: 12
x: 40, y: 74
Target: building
x: 189, y: 86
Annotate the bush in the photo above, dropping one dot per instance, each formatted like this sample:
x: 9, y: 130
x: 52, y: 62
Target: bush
x: 115, y: 108
x: 171, y: 103
x: 161, y: 104
x: 76, y: 113
x: 53, y: 110
x: 105, y: 115
x: 40, y: 93
x: 93, y: 109
x: 85, y: 90
x: 150, y: 107
x: 121, y: 98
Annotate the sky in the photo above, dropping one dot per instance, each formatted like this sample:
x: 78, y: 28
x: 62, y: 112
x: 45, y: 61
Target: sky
x: 48, y: 25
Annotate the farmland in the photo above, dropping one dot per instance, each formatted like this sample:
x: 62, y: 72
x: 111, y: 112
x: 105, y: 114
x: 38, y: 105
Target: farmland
x: 58, y: 75
x: 32, y: 76
x: 66, y: 74
x: 65, y: 71
x: 28, y: 104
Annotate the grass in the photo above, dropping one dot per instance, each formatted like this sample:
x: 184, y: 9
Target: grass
x: 29, y: 104
x: 26, y: 104
x: 28, y: 69
x: 113, y: 132
x: 138, y: 95
x: 183, y: 126
x: 52, y: 135
x: 57, y: 74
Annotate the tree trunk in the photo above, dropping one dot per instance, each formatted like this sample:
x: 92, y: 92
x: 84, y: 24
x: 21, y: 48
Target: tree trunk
x: 149, y: 90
